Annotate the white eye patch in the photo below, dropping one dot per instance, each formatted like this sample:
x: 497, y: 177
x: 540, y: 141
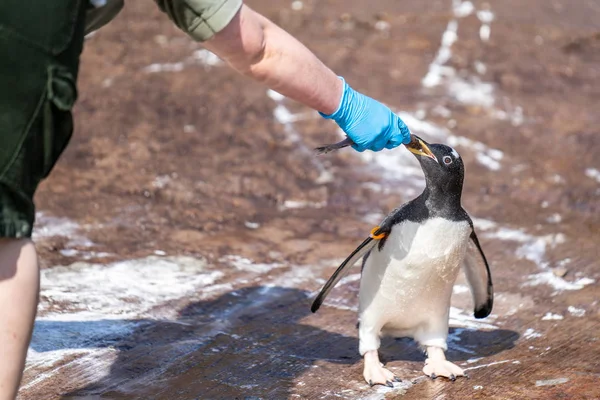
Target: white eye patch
x: 455, y: 154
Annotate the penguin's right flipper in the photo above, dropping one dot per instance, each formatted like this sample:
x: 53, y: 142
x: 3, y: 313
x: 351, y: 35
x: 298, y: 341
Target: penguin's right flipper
x: 479, y: 277
x: 343, y: 270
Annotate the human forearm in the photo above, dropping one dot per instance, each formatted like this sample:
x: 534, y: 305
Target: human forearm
x: 258, y: 48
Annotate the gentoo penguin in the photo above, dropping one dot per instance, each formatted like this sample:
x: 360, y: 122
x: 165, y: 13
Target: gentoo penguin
x: 410, y: 263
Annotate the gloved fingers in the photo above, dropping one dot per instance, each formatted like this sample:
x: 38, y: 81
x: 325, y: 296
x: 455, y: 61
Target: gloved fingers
x: 393, y: 143
x: 379, y: 143
x: 404, y: 131
x: 359, y: 148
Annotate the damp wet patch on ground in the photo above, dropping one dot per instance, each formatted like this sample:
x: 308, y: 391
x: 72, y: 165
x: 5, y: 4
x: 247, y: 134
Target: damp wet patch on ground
x: 189, y: 225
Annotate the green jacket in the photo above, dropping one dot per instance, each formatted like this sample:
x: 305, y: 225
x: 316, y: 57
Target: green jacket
x: 200, y: 19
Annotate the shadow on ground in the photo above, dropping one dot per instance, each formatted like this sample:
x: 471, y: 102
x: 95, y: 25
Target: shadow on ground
x: 248, y: 343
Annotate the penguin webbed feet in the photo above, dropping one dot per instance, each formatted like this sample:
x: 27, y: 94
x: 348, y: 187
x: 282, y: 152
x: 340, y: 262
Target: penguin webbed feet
x: 442, y: 368
x: 374, y: 372
x: 436, y: 365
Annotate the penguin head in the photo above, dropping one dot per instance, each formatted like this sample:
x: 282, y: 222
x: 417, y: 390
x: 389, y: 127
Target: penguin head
x: 442, y: 165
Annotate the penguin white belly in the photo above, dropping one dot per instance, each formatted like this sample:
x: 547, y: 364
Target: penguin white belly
x: 406, y: 287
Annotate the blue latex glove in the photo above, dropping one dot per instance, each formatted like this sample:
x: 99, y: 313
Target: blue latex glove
x: 370, y: 124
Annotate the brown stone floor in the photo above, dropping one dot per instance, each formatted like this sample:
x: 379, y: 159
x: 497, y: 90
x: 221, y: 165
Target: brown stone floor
x: 192, y: 162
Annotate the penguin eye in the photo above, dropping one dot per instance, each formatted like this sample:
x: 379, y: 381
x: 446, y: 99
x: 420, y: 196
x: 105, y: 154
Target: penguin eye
x: 447, y: 160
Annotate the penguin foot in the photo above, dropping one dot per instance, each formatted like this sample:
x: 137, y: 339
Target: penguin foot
x: 374, y: 372
x: 436, y: 367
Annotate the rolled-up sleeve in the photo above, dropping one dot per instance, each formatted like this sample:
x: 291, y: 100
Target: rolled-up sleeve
x: 200, y: 19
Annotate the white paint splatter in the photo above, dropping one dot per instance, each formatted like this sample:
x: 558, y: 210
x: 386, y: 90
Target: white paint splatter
x: 552, y: 317
x: 576, y: 312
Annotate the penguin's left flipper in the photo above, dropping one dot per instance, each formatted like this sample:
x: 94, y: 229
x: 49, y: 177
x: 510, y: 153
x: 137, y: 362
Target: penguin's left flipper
x: 479, y: 277
x: 343, y: 270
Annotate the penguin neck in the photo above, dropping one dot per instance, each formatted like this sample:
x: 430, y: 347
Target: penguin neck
x: 440, y: 202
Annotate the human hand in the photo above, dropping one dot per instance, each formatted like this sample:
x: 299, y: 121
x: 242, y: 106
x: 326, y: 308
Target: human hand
x: 370, y: 124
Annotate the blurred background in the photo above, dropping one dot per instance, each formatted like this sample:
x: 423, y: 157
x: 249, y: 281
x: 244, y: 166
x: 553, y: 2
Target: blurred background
x: 189, y: 225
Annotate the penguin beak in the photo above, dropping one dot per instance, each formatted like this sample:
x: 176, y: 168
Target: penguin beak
x: 419, y: 147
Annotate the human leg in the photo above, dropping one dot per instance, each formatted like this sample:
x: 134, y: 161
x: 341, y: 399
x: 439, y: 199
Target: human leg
x: 19, y: 289
x: 40, y: 43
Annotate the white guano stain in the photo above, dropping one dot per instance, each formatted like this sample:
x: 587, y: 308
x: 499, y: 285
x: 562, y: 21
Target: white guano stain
x: 295, y: 204
x: 129, y: 288
x: 488, y: 365
x: 86, y: 308
x: 285, y: 117
x: 551, y: 382
x: 576, y: 312
x: 47, y: 227
x: 593, y: 173
x: 533, y: 248
x: 200, y: 57
x: 245, y: 264
x: 552, y: 317
x: 530, y: 333
x: 486, y: 17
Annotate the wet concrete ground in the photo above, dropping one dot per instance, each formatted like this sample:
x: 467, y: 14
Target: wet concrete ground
x: 188, y: 226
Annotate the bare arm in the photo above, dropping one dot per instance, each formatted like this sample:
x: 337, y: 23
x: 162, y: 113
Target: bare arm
x: 258, y: 48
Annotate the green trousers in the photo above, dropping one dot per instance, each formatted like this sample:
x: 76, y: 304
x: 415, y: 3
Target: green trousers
x: 40, y: 45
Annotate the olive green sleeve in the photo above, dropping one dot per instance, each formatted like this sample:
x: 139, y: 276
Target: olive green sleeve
x: 200, y: 19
